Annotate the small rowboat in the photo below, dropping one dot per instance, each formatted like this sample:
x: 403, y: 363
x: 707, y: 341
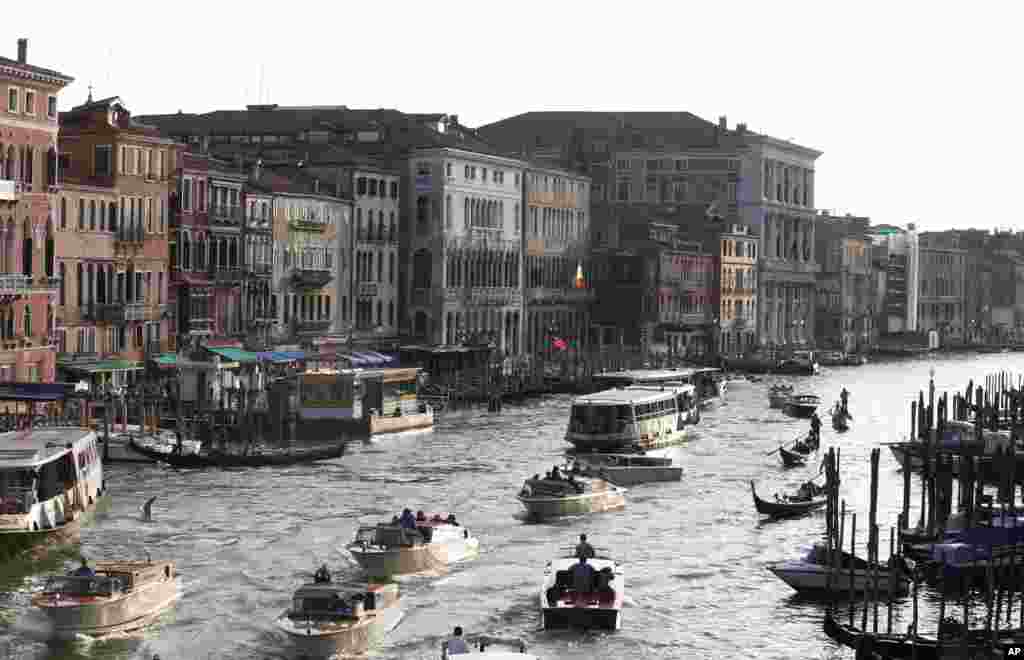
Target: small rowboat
x: 840, y: 422
x: 790, y: 458
x: 787, y: 508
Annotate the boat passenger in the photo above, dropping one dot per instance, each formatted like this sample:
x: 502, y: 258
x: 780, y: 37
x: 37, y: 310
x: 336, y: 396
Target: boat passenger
x: 583, y: 577
x: 845, y: 397
x: 84, y: 570
x: 408, y: 521
x: 451, y: 520
x: 555, y: 474
x: 421, y: 517
x: 815, y: 427
x: 322, y: 576
x: 584, y: 549
x: 395, y: 520
x: 456, y: 645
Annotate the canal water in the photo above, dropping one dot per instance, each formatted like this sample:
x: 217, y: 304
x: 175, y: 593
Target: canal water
x: 694, y: 552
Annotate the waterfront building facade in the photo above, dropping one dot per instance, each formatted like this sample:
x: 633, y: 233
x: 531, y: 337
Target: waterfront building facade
x: 259, y: 305
x: 846, y: 289
x: 117, y: 267
x: 737, y: 314
x: 898, y: 249
x: 374, y: 287
x: 30, y: 179
x: 941, y: 295
x: 462, y: 248
x: 557, y: 294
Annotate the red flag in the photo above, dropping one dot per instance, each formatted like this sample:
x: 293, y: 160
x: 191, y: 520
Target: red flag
x: 560, y: 344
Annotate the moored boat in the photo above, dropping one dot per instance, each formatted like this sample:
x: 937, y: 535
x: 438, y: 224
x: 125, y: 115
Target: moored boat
x: 840, y: 418
x: 791, y: 458
x: 831, y: 358
x: 210, y: 459
x: 387, y: 549
x: 811, y: 573
x: 626, y: 469
x: 779, y: 395
x: 51, y: 480
x: 120, y: 596
x: 326, y: 620
x: 552, y: 498
x: 117, y: 448
x: 571, y: 598
x: 644, y: 417
x: 814, y: 498
x: 802, y: 405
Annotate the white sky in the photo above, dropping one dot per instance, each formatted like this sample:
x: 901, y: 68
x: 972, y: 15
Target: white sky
x: 911, y: 102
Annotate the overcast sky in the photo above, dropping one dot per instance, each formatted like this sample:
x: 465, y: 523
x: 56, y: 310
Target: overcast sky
x: 912, y: 104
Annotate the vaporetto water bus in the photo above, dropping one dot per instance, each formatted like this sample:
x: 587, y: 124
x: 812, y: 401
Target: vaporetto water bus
x: 644, y: 417
x: 50, y: 480
x: 708, y: 381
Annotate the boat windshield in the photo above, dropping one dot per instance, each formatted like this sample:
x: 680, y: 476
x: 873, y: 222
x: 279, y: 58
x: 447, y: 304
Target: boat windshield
x: 83, y: 586
x: 600, y: 419
x: 16, y: 492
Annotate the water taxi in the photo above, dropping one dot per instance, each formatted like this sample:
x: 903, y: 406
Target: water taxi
x: 626, y: 469
x: 645, y: 417
x: 571, y: 600
x: 327, y: 621
x: 802, y: 405
x: 480, y: 648
x: 552, y: 498
x: 50, y: 479
x: 334, y: 402
x: 387, y: 549
x: 120, y: 596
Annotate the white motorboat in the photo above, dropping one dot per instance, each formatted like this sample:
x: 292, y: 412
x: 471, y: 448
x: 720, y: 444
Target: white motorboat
x: 118, y: 449
x: 552, y: 498
x: 811, y: 574
x: 626, y: 469
x: 51, y: 479
x: 121, y: 596
x: 388, y: 549
x: 325, y: 621
x: 512, y: 649
x: 569, y: 600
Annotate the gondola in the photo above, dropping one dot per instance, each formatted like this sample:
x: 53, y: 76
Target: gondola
x: 889, y: 645
x: 840, y: 423
x: 790, y: 458
x: 788, y: 508
x: 217, y: 459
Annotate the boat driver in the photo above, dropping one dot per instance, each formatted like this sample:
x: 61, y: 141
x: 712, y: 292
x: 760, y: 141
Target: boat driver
x: 322, y: 575
x: 555, y: 474
x: 456, y: 645
x: 84, y: 570
x: 408, y: 521
x: 584, y: 549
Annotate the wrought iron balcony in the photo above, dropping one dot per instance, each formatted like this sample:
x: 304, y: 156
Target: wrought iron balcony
x: 20, y: 285
x: 227, y: 276
x: 310, y: 279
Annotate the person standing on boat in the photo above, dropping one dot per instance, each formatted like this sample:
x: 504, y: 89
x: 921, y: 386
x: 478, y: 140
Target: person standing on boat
x: 84, y: 570
x: 408, y: 521
x: 584, y: 549
x: 844, y: 396
x: 456, y: 645
x: 815, y: 429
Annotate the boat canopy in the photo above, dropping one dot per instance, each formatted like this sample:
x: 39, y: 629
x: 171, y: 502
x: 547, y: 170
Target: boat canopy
x: 371, y: 359
x: 73, y: 585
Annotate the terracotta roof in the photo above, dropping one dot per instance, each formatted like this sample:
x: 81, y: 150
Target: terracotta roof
x: 38, y: 70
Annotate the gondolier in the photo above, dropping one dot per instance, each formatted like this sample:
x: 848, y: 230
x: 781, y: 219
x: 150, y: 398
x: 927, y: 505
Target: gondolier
x: 844, y: 398
x: 815, y: 429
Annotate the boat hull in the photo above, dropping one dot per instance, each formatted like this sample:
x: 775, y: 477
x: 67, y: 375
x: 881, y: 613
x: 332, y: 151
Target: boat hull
x: 802, y: 411
x: 785, y: 509
x: 351, y: 640
x: 900, y: 452
x: 35, y: 544
x: 118, y: 449
x: 381, y: 425
x: 608, y: 498
x: 812, y: 578
x: 240, y: 460
x: 631, y: 476
x: 428, y: 557
x: 131, y: 611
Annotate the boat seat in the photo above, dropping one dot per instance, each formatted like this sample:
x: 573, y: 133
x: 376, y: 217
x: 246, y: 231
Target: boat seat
x: 563, y: 579
x: 606, y: 597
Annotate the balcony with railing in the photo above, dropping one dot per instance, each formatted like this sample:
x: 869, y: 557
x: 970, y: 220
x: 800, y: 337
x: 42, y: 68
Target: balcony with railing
x: 377, y: 237
x: 23, y: 285
x: 225, y: 214
x: 311, y: 278
x: 312, y: 327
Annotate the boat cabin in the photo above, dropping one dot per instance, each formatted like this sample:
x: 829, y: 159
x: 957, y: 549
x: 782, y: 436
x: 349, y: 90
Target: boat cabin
x: 77, y: 586
x: 112, y: 578
x: 385, y: 535
x: 631, y: 415
x: 356, y: 393
x: 707, y: 381
x: 332, y: 602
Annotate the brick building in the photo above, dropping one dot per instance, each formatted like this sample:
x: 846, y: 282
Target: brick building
x: 29, y: 180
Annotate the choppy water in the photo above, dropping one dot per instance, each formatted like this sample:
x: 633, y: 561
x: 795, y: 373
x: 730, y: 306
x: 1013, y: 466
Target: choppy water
x: 694, y: 552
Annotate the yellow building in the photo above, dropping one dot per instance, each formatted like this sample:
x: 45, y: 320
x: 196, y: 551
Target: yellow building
x: 737, y: 319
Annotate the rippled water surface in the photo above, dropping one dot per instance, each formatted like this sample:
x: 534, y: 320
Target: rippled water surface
x: 694, y: 552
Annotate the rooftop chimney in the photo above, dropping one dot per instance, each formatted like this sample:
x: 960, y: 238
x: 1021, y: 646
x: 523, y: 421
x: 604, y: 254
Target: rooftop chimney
x: 741, y: 128
x: 22, y: 51
x: 722, y: 124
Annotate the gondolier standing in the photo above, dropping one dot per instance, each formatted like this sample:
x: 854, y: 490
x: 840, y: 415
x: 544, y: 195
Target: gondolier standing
x: 844, y: 397
x: 816, y: 429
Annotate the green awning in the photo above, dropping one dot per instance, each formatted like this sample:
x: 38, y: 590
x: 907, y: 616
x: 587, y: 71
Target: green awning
x: 165, y: 359
x: 235, y: 354
x: 102, y: 366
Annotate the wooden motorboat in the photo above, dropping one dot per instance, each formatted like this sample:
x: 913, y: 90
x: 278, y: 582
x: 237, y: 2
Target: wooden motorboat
x: 480, y: 647
x: 626, y: 469
x: 779, y: 395
x: 121, y: 596
x: 326, y: 620
x: 791, y: 458
x: 386, y: 549
x: 568, y: 600
x: 39, y: 508
x: 219, y: 459
x: 811, y: 573
x: 802, y: 405
x: 552, y: 498
x: 788, y: 506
